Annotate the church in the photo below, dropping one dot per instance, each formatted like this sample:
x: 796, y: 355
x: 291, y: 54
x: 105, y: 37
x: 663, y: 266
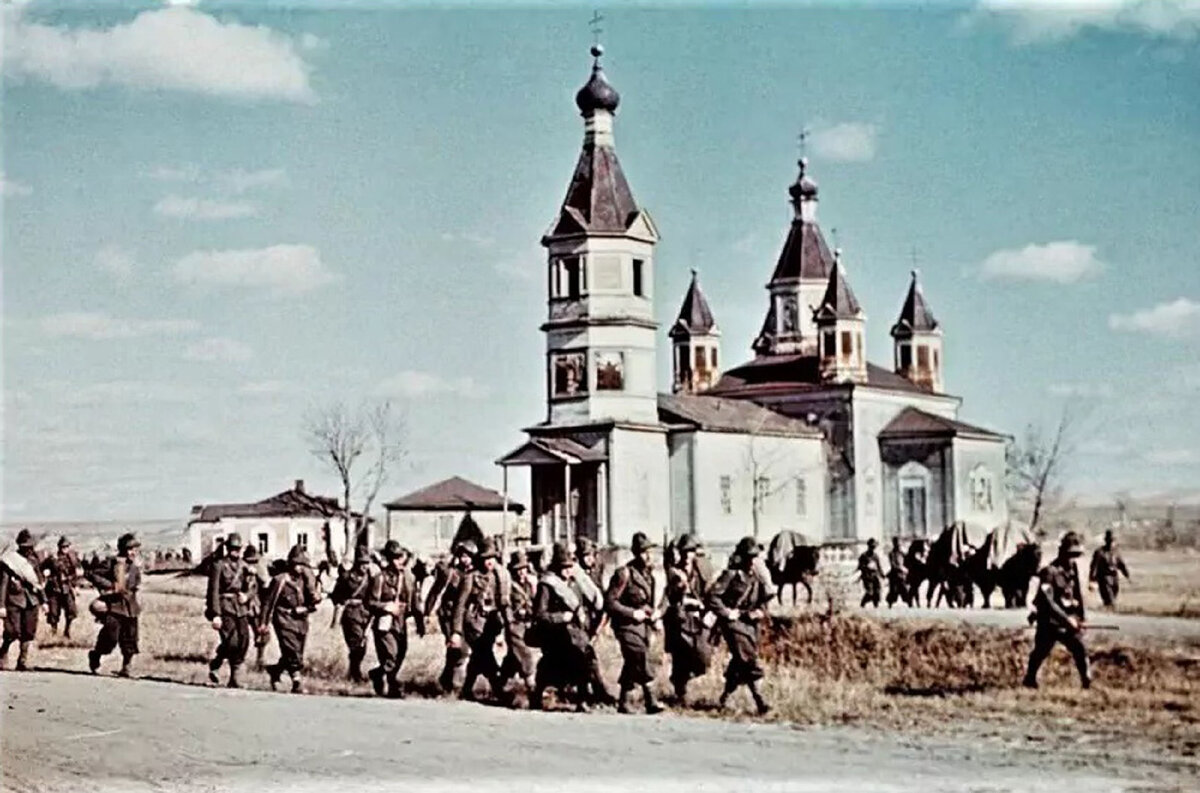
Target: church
x: 808, y: 435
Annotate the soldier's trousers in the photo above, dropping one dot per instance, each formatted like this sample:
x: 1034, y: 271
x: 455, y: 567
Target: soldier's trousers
x: 897, y: 590
x: 20, y: 625
x: 518, y: 660
x: 634, y: 641
x: 118, y: 631
x: 689, y: 655
x: 354, y: 631
x: 291, y: 646
x: 1109, y: 588
x: 234, y: 641
x: 390, y: 648
x: 744, y: 667
x: 456, y: 660
x: 481, y: 658
x: 1043, y: 642
x: 871, y: 587
x: 60, y: 604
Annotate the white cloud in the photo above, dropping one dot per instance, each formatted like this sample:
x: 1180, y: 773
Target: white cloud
x: 845, y: 142
x: 1064, y: 262
x: 98, y: 326
x: 1081, y: 390
x: 174, y: 206
x: 239, y: 181
x: 281, y: 269
x: 176, y: 48
x: 12, y: 189
x: 412, y: 384
x: 1172, y: 457
x: 115, y: 261
x: 1178, y: 319
x: 1030, y: 22
x: 174, y: 173
x: 218, y: 348
x: 265, y: 388
x: 125, y: 391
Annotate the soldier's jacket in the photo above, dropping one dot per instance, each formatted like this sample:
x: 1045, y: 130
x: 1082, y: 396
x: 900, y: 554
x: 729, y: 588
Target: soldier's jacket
x: 15, y: 592
x: 1059, y: 596
x: 257, y: 585
x: 482, y: 595
x: 290, y: 600
x: 1106, y: 563
x: 630, y: 588
x: 448, y: 581
x: 227, y: 590
x: 118, y: 579
x: 869, y: 565
x: 520, y: 605
x: 62, y: 572
x: 896, y: 562
x: 742, y: 591
x: 686, y: 590
x: 389, y: 586
x: 351, y: 592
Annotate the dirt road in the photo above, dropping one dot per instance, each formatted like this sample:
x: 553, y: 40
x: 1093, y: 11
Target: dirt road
x: 68, y: 732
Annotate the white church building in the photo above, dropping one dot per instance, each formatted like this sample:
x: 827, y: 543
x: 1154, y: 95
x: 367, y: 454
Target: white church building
x: 807, y: 436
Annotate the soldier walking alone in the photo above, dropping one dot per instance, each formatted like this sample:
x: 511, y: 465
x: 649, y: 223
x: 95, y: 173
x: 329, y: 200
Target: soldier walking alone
x: 1106, y: 565
x: 392, y: 599
x: 684, y: 619
x: 21, y: 597
x: 118, y: 579
x: 479, y: 619
x: 870, y: 570
x: 62, y: 573
x: 227, y: 608
x: 292, y: 597
x: 1060, y: 615
x: 630, y: 603
x: 739, y: 599
x: 350, y: 594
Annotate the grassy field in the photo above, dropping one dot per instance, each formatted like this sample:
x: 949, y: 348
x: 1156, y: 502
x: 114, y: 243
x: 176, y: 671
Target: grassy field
x: 1164, y: 583
x: 903, y: 675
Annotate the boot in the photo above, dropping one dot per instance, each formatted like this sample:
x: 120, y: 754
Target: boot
x: 724, y: 700
x: 1029, y: 682
x: 213, y: 666
x: 233, y: 677
x: 67, y: 630
x: 126, y: 660
x: 356, y: 659
x: 650, y: 701
x: 394, y: 691
x: 680, y: 691
x: 23, y: 657
x: 297, y: 688
x: 273, y: 674
x: 260, y: 660
x: 93, y: 661
x: 376, y: 676
x: 759, y: 703
x: 4, y: 654
x: 623, y: 700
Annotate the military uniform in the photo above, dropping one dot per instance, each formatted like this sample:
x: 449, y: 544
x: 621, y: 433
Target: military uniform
x: 1105, y: 569
x: 686, y: 636
x: 518, y: 658
x: 449, y: 581
x: 897, y: 576
x: 62, y: 574
x: 589, y: 565
x: 737, y: 592
x: 291, y: 598
x: 350, y: 593
x: 118, y: 580
x: 479, y: 619
x: 561, y: 614
x: 391, y: 599
x: 21, y: 597
x: 228, y: 600
x: 1059, y: 613
x: 257, y: 585
x: 631, y: 595
x: 870, y: 570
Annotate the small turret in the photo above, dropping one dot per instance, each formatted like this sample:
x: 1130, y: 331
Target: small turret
x: 841, y: 325
x: 696, y: 341
x: 917, y: 340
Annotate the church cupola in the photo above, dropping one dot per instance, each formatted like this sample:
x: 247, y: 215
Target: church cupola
x: 600, y: 329
x: 800, y: 277
x: 917, y: 340
x: 841, y: 325
x: 695, y: 344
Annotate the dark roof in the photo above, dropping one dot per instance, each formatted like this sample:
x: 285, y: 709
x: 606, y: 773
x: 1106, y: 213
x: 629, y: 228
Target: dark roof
x: 779, y: 374
x: 804, y: 188
x: 695, y: 317
x: 839, y: 301
x: 551, y: 449
x: 728, y: 415
x: 763, y: 342
x: 916, y: 423
x: 805, y: 254
x: 454, y: 493
x: 916, y: 314
x: 294, y: 503
x: 597, y: 94
x: 598, y: 198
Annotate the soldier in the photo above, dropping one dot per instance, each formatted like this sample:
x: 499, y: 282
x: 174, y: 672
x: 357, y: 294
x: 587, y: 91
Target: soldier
x: 257, y: 584
x: 21, y: 595
x: 518, y: 659
x: 1059, y: 612
x: 350, y: 594
x: 897, y: 575
x: 562, y: 612
x: 226, y: 607
x: 739, y: 599
x: 62, y: 573
x: 480, y: 617
x: 1106, y: 564
x: 630, y: 603
x: 870, y: 570
x: 292, y: 597
x: 392, y: 597
x: 118, y: 579
x: 685, y: 623
x: 588, y: 564
x: 449, y: 582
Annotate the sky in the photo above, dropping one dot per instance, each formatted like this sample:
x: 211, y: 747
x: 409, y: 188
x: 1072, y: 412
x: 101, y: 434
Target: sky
x: 218, y: 217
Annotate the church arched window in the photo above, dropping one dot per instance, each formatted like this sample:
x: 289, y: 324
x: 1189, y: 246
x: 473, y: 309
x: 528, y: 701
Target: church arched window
x: 981, y: 489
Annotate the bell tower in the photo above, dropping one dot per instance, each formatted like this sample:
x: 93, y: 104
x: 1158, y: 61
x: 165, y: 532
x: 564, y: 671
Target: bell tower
x: 695, y: 344
x: 841, y: 325
x: 917, y: 340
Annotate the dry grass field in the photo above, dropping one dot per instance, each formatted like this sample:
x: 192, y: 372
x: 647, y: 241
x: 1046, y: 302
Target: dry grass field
x: 1165, y: 583
x: 929, y: 677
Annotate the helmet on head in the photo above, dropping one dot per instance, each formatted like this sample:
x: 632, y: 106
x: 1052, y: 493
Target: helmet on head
x: 466, y: 547
x: 1108, y: 536
x: 686, y: 543
x: 25, y: 539
x: 362, y: 554
x: 1070, y: 545
x: 127, y: 541
x: 561, y: 556
x: 250, y: 554
x: 747, y: 548
x: 518, y: 561
x: 63, y: 542
x: 298, y: 556
x: 392, y: 550
x: 488, y: 551
x: 233, y: 542
x: 641, y: 543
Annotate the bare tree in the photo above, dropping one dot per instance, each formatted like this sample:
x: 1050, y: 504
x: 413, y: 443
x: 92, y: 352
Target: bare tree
x: 361, y: 444
x: 1036, y: 465
x: 769, y: 472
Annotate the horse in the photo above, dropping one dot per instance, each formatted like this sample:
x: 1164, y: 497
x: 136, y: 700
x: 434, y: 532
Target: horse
x: 791, y: 560
x: 945, y: 570
x: 1016, y: 573
x: 917, y: 565
x: 981, y: 569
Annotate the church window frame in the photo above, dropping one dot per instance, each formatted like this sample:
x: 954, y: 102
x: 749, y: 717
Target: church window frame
x: 264, y: 542
x: 913, y: 477
x: 981, y: 484
x: 725, y: 483
x: 922, y: 356
x: 610, y: 370
x: 560, y: 364
x: 639, y: 278
x: 302, y: 539
x: 713, y: 357
x: 905, y: 358
x: 847, y: 348
x: 829, y: 343
x: 801, y: 487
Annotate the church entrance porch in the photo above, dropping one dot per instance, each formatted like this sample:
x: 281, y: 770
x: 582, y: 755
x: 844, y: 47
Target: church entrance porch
x: 568, y: 490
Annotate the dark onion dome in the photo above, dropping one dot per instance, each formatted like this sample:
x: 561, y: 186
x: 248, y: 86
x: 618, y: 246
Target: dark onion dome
x: 597, y: 94
x: 804, y: 187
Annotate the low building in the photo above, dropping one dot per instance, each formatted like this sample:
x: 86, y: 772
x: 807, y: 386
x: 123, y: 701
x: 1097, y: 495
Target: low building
x: 425, y: 520
x: 273, y: 525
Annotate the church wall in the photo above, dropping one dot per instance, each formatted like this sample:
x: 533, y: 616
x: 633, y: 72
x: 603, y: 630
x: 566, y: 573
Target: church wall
x: 640, y: 484
x: 722, y: 485
x: 979, y: 458
x: 632, y: 349
x: 681, y: 447
x: 931, y: 460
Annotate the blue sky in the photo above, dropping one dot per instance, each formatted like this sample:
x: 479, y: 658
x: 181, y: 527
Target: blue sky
x: 216, y: 216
